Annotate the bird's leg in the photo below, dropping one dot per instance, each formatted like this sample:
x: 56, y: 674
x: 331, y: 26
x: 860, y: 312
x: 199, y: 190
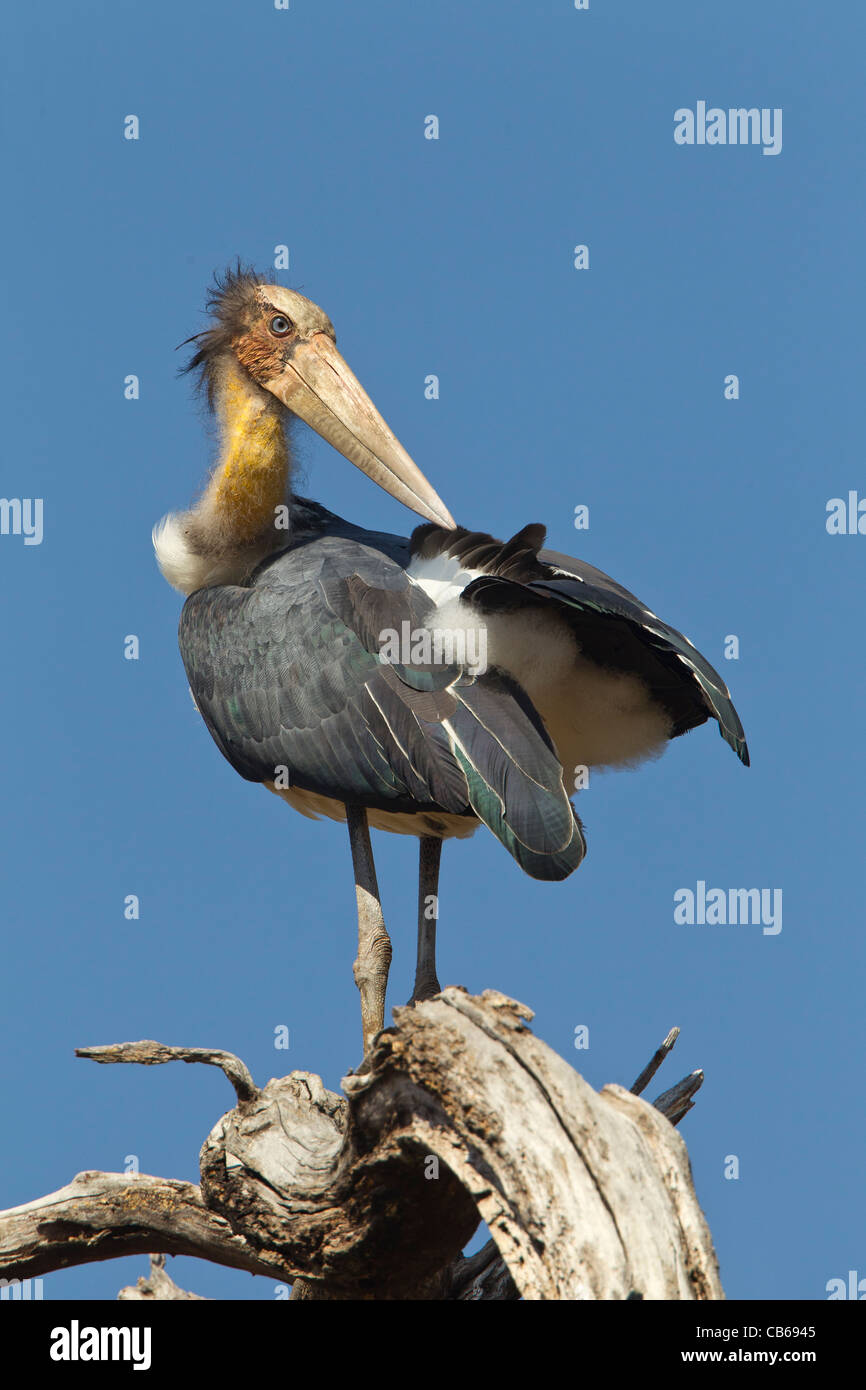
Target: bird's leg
x: 374, y: 944
x: 430, y: 853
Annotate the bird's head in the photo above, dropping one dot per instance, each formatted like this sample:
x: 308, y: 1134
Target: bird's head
x: 278, y: 341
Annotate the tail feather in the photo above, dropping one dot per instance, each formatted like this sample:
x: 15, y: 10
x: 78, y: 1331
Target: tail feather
x: 514, y: 777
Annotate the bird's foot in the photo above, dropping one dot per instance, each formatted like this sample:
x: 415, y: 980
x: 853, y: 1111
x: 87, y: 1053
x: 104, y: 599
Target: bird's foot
x: 426, y: 988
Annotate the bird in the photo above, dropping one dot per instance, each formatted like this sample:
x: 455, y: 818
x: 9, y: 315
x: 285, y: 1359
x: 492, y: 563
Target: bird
x: 420, y: 685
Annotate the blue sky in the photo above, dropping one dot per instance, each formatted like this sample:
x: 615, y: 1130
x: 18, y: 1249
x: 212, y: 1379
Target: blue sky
x: 558, y: 387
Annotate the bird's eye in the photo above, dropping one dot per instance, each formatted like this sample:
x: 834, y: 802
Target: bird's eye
x: 280, y: 325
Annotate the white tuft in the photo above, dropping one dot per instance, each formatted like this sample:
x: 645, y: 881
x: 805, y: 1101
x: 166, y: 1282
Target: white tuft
x: 441, y: 577
x: 187, y: 570
x: 183, y: 569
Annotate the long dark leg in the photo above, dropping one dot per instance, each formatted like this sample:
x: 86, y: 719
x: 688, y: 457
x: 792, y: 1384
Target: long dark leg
x: 430, y: 853
x: 374, y: 944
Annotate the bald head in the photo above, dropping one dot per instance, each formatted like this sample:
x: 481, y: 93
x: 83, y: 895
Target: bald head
x: 255, y: 323
x: 286, y: 346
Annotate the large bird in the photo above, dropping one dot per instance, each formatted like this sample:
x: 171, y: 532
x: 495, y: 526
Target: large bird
x: 419, y: 685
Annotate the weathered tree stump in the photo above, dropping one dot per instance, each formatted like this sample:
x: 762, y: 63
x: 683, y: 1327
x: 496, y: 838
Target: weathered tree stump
x: 461, y: 1114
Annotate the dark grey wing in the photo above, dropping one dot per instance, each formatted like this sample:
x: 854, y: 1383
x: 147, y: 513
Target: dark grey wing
x: 591, y: 592
x: 283, y: 682
x: 614, y: 628
x: 287, y: 673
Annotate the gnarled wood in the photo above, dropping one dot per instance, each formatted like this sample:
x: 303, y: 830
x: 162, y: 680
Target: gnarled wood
x: 460, y: 1113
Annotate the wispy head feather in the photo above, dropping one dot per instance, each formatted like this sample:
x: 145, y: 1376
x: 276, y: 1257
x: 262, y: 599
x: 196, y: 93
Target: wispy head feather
x: 231, y: 303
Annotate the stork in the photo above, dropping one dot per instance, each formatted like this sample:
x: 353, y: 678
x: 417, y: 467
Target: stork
x: 303, y: 635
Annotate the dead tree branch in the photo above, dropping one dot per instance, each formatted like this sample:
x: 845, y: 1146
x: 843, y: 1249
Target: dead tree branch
x: 102, y: 1216
x: 153, y: 1054
x: 654, y: 1063
x: 157, y: 1286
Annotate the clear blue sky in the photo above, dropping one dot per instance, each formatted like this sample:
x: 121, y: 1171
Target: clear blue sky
x: 558, y: 387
